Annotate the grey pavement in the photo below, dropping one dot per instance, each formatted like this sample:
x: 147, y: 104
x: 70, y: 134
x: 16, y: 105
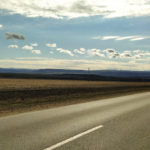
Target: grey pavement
x: 125, y: 120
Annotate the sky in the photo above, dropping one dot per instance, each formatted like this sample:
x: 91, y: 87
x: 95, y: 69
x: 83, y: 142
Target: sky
x: 75, y: 34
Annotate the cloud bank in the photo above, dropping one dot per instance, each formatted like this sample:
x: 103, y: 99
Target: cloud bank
x: 77, y: 8
x: 74, y: 64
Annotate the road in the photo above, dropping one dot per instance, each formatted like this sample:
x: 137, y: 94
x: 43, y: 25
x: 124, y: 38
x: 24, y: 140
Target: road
x: 121, y: 123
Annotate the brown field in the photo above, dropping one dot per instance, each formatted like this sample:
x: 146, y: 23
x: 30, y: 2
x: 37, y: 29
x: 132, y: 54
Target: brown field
x: 19, y: 95
x: 12, y: 84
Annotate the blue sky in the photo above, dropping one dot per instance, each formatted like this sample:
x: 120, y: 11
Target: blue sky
x: 75, y: 34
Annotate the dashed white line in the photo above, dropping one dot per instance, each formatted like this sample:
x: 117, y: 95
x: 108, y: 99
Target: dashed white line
x: 73, y: 138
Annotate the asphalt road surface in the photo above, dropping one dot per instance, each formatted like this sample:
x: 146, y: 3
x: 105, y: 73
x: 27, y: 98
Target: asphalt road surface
x: 121, y: 123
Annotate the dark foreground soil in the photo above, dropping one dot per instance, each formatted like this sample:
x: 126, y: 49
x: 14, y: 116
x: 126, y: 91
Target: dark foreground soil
x: 14, y: 101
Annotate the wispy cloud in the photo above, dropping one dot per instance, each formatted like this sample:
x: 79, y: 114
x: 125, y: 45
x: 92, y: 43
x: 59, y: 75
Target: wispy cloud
x: 61, y: 50
x: 74, y: 64
x: 120, y: 38
x: 10, y: 36
x: 139, y: 38
x: 13, y: 46
x: 77, y: 8
x: 51, y: 45
x: 108, y: 37
x: 31, y: 58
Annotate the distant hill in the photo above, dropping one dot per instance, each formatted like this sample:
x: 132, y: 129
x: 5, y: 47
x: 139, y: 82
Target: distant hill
x: 77, y: 74
x: 126, y: 74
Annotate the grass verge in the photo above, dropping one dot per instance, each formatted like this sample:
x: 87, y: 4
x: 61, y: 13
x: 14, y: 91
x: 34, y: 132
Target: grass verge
x: 49, y: 94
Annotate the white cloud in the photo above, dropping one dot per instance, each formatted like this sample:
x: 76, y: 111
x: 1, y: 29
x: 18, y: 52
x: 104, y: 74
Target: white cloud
x: 61, y: 50
x: 109, y: 50
x: 80, y: 51
x: 138, y: 51
x: 1, y: 26
x: 51, y: 45
x: 34, y: 44
x: 120, y: 38
x: 138, y: 56
x: 13, y: 46
x: 27, y: 47
x: 116, y: 55
x: 77, y: 8
x: 112, y: 53
x: 36, y: 52
x: 95, y: 52
x: 31, y: 48
x: 126, y: 54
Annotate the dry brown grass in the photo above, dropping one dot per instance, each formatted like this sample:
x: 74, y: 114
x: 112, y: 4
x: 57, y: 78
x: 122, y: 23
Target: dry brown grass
x: 12, y: 84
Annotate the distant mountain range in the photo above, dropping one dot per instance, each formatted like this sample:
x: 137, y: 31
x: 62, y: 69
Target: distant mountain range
x: 78, y: 73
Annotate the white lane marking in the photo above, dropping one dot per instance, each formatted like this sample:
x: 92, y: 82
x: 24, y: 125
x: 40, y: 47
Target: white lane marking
x: 73, y: 138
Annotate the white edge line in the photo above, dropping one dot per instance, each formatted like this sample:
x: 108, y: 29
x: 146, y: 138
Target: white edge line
x: 73, y: 138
